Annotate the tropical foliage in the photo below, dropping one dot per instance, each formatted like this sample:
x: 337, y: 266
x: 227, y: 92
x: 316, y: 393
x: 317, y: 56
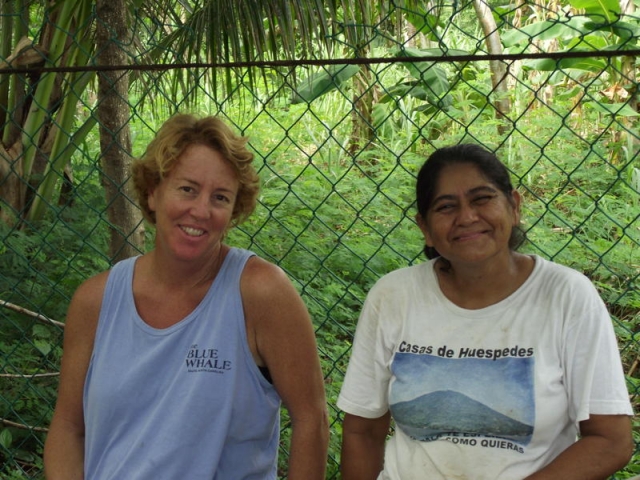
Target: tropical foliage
x: 342, y: 101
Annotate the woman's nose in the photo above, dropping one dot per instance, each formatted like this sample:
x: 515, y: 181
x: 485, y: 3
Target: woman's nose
x: 467, y: 213
x: 201, y: 207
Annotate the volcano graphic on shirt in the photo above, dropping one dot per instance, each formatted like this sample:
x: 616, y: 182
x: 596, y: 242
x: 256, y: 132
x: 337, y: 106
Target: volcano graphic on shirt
x: 433, y: 396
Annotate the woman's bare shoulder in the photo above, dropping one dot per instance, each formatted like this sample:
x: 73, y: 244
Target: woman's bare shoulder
x: 84, y: 309
x: 263, y: 275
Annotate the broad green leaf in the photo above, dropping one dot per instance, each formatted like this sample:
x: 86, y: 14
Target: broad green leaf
x: 587, y: 42
x: 380, y: 113
x: 427, y: 109
x: 617, y: 109
x: 329, y: 78
x: 429, y: 73
x: 417, y: 90
x: 571, y: 93
x: 626, y: 31
x: 607, y: 10
x: 413, y: 89
x: 430, y: 52
x: 426, y: 24
x: 551, y: 65
x: 547, y: 30
x: 399, y: 90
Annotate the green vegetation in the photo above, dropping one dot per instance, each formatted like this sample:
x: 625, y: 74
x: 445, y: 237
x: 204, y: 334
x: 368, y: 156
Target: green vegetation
x: 336, y: 209
x: 335, y: 225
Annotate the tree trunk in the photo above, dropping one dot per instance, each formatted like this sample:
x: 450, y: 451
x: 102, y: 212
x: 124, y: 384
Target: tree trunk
x: 364, y: 96
x: 113, y: 112
x: 363, y: 100
x: 11, y: 186
x: 13, y: 183
x: 629, y: 69
x: 498, y: 68
x: 35, y: 99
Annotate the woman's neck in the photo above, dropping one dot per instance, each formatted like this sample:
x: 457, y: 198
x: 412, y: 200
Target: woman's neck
x: 175, y: 274
x: 479, y: 286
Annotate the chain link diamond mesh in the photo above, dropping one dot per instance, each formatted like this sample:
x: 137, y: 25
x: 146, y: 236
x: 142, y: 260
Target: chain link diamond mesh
x: 338, y: 140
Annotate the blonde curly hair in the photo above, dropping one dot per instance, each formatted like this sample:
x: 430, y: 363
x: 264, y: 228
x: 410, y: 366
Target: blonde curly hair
x: 170, y: 142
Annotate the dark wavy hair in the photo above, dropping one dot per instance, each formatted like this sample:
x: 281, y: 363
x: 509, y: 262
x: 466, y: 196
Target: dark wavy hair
x: 484, y: 160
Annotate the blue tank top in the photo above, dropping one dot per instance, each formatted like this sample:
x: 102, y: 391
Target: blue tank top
x: 185, y: 402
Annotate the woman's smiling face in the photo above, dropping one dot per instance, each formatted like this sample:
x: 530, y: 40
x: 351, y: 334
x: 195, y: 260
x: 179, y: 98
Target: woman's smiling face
x: 469, y: 220
x: 193, y: 205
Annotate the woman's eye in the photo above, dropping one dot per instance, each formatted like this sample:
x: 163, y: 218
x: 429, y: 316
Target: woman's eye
x: 445, y: 207
x: 222, y: 198
x: 186, y: 189
x: 482, y: 199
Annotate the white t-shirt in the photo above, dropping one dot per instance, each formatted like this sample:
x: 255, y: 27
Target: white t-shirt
x: 493, y: 393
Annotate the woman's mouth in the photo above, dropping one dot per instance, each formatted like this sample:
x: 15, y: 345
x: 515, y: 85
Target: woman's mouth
x: 192, y: 232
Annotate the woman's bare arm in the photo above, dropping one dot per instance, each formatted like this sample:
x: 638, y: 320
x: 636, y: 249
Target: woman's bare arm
x: 363, y: 441
x: 605, y: 446
x: 64, y: 446
x: 282, y: 338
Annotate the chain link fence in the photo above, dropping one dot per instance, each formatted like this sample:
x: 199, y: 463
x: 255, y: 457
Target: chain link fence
x: 338, y: 140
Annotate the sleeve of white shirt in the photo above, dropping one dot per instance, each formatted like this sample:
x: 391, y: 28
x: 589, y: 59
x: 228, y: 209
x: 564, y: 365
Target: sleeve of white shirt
x: 594, y: 374
x: 366, y: 384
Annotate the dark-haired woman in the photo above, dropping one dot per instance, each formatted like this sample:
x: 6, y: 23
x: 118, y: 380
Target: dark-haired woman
x: 491, y: 363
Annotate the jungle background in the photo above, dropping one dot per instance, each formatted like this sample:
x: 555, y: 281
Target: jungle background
x: 342, y: 102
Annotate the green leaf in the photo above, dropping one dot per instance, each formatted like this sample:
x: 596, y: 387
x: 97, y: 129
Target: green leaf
x: 400, y: 90
x: 426, y: 72
x: 430, y: 52
x: 551, y: 65
x: 322, y: 82
x: 5, y: 438
x: 425, y: 23
x: 43, y: 346
x: 380, y: 114
x: 608, y: 10
x: 617, y: 109
x: 568, y: 94
x: 626, y: 31
x: 547, y: 30
x: 41, y: 331
x: 24, y: 456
